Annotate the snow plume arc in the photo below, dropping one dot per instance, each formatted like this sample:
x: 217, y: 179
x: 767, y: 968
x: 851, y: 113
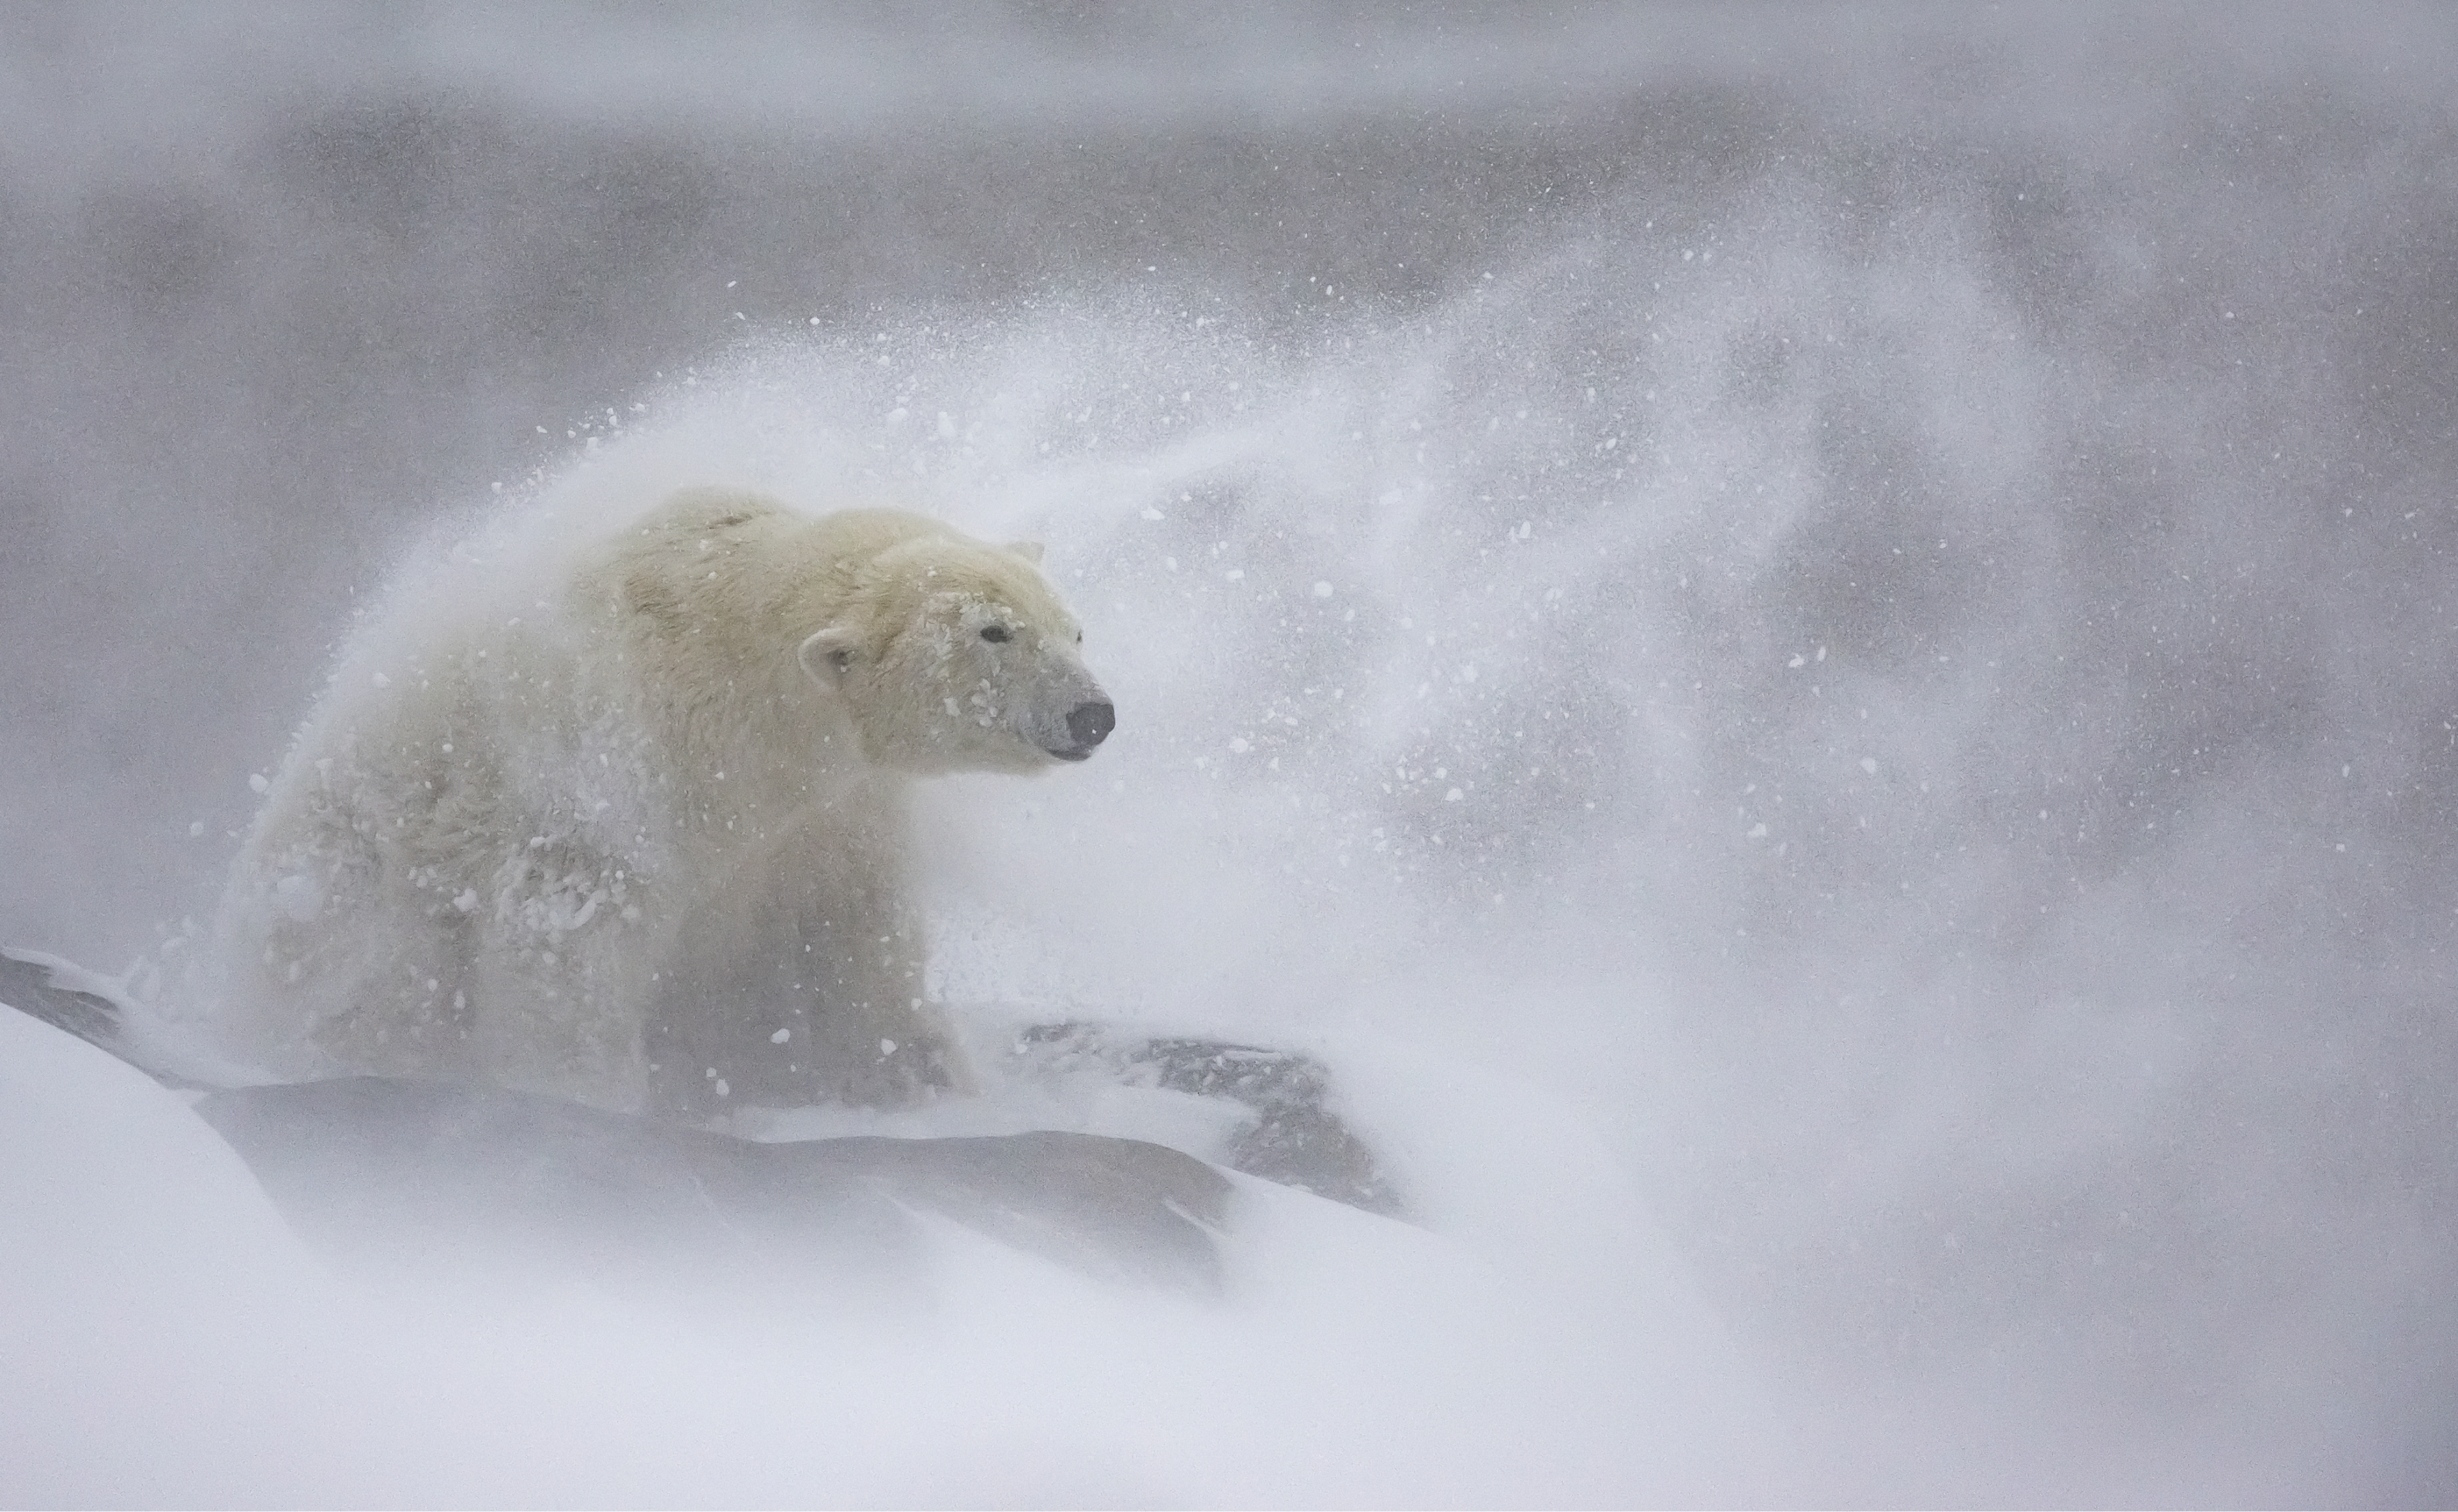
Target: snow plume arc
x: 1749, y: 674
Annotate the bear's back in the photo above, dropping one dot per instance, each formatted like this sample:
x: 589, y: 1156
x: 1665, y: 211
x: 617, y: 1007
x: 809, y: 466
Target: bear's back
x: 730, y: 557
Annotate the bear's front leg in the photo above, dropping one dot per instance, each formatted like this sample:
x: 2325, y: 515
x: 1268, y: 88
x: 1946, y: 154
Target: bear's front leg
x: 797, y: 980
x: 561, y: 976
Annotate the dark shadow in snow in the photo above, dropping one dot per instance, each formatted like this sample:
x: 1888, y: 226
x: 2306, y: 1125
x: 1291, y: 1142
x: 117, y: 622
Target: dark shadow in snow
x: 382, y: 1169
x: 434, y: 1179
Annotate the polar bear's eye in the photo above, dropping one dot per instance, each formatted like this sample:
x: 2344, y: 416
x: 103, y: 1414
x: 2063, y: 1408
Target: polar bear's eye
x: 994, y: 633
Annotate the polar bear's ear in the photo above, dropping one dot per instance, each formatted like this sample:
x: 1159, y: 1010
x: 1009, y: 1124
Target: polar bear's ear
x: 827, y: 655
x: 1030, y: 550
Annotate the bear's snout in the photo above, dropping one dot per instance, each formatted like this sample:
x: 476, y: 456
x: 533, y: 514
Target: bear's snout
x: 1088, y: 725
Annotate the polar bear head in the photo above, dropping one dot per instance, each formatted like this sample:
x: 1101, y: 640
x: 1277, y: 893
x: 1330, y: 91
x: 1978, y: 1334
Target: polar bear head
x: 954, y: 654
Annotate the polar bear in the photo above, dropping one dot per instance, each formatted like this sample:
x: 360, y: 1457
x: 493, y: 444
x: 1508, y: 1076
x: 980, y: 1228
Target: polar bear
x: 643, y: 844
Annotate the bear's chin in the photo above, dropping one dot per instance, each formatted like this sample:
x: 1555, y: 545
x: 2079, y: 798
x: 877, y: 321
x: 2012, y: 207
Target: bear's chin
x: 1015, y: 760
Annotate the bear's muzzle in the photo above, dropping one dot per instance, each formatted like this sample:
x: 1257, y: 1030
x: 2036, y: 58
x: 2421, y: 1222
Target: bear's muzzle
x: 1088, y: 725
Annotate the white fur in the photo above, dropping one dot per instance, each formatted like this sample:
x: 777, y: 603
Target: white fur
x: 635, y: 834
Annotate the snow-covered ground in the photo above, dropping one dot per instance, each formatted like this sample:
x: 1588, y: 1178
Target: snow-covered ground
x: 1811, y: 648
x: 176, y: 1343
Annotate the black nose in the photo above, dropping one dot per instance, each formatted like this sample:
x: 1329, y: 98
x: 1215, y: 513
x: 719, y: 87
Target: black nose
x: 1089, y: 724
